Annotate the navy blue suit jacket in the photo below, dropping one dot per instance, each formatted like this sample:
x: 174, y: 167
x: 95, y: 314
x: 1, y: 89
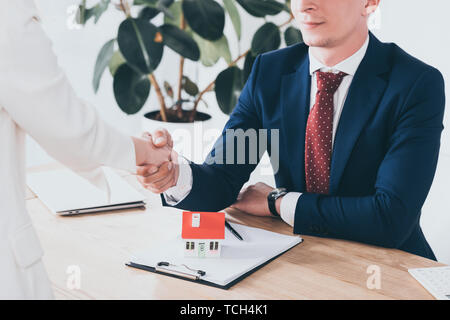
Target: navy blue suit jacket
x: 384, y: 155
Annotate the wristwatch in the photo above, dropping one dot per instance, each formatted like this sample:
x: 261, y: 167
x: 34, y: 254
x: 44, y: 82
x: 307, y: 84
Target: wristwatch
x: 272, y: 197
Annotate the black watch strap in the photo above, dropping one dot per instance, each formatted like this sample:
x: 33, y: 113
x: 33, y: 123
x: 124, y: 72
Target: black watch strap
x: 272, y: 198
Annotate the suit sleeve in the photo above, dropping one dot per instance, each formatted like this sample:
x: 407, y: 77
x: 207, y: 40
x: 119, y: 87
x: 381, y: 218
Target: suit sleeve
x: 39, y: 98
x: 404, y: 178
x: 216, y: 183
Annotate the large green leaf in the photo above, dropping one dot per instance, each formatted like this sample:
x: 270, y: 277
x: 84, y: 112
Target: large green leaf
x: 288, y: 4
x: 156, y: 6
x: 164, y: 6
x: 228, y: 87
x: 116, y: 61
x: 154, y: 3
x: 234, y: 16
x: 205, y: 17
x: 148, y: 13
x: 261, y: 8
x: 248, y: 65
x: 166, y: 3
x: 103, y: 58
x: 131, y: 89
x: 145, y: 2
x: 292, y: 36
x: 84, y: 14
x: 211, y: 51
x: 266, y: 38
x: 136, y: 39
x: 180, y: 42
x: 175, y: 11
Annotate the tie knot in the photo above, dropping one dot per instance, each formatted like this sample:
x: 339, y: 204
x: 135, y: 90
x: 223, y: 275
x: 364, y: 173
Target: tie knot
x: 329, y: 81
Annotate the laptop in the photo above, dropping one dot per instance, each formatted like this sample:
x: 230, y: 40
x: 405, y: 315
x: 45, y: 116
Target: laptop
x: 66, y: 193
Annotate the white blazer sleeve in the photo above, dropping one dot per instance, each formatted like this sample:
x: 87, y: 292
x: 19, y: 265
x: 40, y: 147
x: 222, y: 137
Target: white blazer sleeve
x: 37, y: 95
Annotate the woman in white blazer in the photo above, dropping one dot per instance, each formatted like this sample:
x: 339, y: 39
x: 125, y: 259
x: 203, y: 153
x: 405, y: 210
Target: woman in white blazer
x: 36, y: 98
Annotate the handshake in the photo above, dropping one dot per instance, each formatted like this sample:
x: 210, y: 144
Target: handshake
x: 156, y: 161
x: 158, y: 170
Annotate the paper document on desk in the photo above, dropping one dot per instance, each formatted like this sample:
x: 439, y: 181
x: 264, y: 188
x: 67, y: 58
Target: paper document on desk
x: 237, y: 258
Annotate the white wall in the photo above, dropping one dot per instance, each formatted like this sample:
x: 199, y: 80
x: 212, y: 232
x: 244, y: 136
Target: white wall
x: 419, y: 27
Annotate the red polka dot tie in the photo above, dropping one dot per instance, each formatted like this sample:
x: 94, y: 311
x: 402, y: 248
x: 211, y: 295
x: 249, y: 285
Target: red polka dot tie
x: 319, y: 133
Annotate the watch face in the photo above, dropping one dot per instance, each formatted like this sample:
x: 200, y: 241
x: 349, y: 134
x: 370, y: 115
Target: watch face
x: 277, y: 191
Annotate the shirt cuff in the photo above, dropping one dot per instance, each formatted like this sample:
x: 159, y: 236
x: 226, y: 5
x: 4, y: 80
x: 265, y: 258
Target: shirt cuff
x: 180, y: 191
x: 287, y: 207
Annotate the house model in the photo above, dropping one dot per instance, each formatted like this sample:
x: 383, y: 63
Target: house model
x: 202, y: 233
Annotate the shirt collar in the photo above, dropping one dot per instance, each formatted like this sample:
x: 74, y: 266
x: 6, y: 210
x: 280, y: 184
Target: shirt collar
x: 349, y: 65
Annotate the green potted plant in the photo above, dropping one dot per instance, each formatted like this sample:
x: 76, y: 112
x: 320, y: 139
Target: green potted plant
x: 194, y: 29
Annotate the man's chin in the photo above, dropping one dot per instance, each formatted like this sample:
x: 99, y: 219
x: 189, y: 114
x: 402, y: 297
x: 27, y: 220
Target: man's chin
x: 316, y: 40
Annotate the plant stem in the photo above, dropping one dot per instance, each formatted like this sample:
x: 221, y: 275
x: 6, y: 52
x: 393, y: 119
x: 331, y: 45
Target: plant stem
x: 125, y: 8
x: 239, y: 58
x: 162, y: 103
x: 287, y: 22
x: 160, y: 97
x: 180, y: 78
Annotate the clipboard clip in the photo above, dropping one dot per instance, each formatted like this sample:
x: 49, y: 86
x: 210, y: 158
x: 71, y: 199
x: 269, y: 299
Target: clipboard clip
x: 163, y: 267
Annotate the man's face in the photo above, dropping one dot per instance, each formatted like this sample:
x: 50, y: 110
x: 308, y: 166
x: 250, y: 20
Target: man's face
x: 325, y: 23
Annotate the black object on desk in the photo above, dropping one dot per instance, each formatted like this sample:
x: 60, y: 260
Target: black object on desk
x: 236, y: 234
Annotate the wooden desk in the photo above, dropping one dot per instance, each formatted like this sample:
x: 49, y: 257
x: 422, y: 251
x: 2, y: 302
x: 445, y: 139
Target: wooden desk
x: 318, y: 268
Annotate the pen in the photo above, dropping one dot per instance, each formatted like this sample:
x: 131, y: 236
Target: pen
x: 237, y: 235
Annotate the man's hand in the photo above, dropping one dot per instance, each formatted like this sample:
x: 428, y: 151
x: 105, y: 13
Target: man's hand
x: 154, y: 151
x: 156, y: 178
x: 253, y: 200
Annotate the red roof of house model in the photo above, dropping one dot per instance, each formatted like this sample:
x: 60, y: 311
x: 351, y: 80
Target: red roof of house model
x: 211, y: 225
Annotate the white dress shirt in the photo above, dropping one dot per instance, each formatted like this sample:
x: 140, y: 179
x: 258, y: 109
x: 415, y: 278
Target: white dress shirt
x: 289, y: 201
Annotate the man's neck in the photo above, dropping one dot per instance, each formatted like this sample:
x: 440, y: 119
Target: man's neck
x: 331, y: 56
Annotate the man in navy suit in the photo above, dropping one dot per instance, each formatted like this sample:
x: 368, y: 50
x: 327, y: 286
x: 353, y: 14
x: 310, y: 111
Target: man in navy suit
x: 359, y: 134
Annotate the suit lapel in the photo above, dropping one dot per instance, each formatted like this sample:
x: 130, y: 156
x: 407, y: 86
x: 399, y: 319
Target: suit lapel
x: 363, y: 97
x: 295, y: 101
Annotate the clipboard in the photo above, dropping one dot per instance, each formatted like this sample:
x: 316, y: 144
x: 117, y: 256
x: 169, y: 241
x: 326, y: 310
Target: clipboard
x: 184, y: 268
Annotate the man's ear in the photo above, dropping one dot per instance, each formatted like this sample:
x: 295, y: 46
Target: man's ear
x: 371, y: 6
